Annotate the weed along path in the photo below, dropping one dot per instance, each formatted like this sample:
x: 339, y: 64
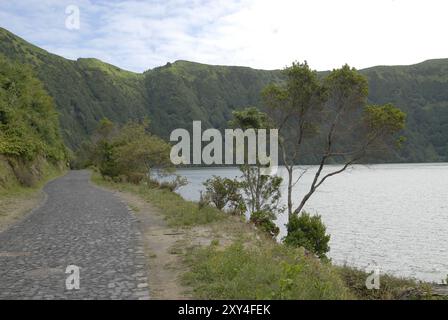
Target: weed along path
x: 81, y: 243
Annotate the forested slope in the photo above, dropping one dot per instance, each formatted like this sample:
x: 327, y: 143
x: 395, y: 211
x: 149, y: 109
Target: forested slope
x: 173, y: 95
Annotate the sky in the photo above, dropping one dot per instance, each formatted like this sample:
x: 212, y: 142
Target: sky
x: 265, y: 34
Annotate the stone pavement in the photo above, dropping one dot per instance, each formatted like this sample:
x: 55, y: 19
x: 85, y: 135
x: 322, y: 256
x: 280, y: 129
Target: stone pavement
x: 79, y: 225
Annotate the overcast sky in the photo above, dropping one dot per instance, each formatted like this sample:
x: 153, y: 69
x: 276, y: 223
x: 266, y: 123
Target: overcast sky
x: 267, y: 34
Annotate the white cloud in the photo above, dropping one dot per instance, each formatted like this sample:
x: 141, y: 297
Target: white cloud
x: 138, y: 35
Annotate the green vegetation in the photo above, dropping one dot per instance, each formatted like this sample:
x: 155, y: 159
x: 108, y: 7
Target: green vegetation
x: 88, y: 90
x: 308, y: 232
x: 264, y: 220
x: 391, y: 288
x: 127, y: 153
x: 327, y: 120
x: 28, y: 121
x: 241, y: 262
x: 268, y: 271
x: 30, y: 142
x: 223, y: 192
x: 178, y: 212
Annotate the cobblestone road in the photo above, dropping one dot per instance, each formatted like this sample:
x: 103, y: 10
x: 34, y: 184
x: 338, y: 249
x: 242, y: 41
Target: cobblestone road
x: 79, y: 225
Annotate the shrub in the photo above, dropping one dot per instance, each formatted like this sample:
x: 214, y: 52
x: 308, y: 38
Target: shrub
x: 308, y: 232
x: 262, y: 192
x: 263, y: 220
x: 128, y: 153
x: 224, y: 192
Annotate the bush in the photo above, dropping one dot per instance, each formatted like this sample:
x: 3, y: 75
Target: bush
x: 263, y: 220
x: 308, y: 232
x: 224, y: 192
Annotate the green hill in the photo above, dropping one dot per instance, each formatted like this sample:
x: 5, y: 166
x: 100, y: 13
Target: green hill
x: 173, y: 95
x: 421, y: 91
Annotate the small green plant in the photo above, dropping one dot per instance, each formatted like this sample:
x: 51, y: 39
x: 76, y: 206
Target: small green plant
x: 264, y: 220
x: 308, y: 232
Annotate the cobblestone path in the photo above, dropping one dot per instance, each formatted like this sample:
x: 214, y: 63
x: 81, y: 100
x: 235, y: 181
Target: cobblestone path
x: 79, y: 225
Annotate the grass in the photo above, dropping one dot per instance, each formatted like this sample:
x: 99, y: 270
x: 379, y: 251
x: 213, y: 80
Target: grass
x: 16, y: 190
x: 270, y: 271
x: 391, y: 288
x: 177, y: 211
x: 226, y: 258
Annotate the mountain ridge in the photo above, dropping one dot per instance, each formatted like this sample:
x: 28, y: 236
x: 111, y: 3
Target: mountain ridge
x: 172, y: 96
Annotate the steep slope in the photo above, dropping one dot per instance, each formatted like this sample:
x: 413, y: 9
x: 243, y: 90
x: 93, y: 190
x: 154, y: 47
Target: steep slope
x: 172, y: 96
x: 420, y: 90
x: 85, y: 90
x: 30, y: 141
x: 185, y: 91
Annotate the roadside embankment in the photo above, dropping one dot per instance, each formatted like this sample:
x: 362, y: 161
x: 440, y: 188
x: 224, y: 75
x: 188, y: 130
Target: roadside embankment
x: 203, y: 253
x: 21, y: 185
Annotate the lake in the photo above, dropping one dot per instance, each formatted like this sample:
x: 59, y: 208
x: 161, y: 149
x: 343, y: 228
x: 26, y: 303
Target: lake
x: 394, y: 216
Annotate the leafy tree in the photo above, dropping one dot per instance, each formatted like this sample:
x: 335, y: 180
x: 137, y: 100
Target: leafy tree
x: 262, y: 192
x: 328, y: 119
x: 308, y: 232
x: 138, y: 151
x: 130, y: 151
x: 295, y: 108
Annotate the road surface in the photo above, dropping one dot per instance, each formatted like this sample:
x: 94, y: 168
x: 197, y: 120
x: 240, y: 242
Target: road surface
x: 78, y: 225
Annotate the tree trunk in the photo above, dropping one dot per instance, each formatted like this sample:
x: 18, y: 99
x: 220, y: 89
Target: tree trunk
x: 290, y: 177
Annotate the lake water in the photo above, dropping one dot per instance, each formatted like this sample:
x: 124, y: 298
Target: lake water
x: 394, y: 216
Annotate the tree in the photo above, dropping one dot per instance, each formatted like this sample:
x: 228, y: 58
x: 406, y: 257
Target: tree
x: 327, y: 121
x: 139, y: 152
x: 262, y: 191
x: 130, y: 151
x: 295, y: 108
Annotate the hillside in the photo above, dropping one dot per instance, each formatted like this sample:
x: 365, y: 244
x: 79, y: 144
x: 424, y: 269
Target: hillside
x: 421, y: 91
x: 30, y: 141
x: 173, y: 95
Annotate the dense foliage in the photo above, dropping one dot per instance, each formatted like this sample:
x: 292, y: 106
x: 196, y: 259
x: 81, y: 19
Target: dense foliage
x: 88, y: 90
x: 308, y: 232
x: 127, y: 153
x: 223, y: 193
x: 28, y: 121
